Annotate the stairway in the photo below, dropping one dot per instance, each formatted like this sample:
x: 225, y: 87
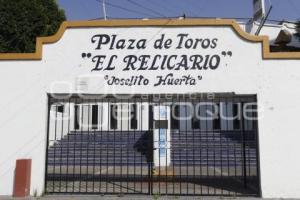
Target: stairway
x: 213, y: 149
x: 114, y: 148
x: 134, y: 148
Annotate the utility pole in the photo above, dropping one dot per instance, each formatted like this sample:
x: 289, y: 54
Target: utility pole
x: 104, y: 9
x: 264, y: 21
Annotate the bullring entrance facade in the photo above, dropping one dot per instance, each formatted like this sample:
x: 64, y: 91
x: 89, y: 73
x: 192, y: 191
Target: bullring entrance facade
x: 170, y: 107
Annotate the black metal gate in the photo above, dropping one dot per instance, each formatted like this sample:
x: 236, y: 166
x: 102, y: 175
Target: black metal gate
x: 114, y: 145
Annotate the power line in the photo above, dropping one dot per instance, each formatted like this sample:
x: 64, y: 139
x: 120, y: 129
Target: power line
x: 149, y: 9
x: 171, y: 7
x: 159, y: 4
x: 203, y: 5
x: 192, y: 12
x: 210, y: 17
x: 126, y: 9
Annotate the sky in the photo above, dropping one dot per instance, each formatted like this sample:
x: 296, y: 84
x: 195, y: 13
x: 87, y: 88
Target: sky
x: 92, y: 9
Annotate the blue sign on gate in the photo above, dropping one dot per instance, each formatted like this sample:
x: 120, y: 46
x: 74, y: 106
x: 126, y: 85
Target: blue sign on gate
x: 162, y: 142
x: 162, y: 112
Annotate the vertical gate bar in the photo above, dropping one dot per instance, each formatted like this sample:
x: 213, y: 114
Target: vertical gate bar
x: 244, y: 146
x: 220, y: 138
x: 215, y: 104
x: 151, y: 146
x: 126, y: 132
x: 186, y: 147
x: 127, y: 148
x: 101, y: 146
x: 81, y: 141
x: 149, y: 149
x: 61, y: 149
x: 88, y: 147
x: 193, y: 143
x: 159, y: 150
x: 74, y: 144
x: 219, y: 152
x: 107, y: 142
x: 94, y: 141
x: 121, y: 145
x: 257, y: 147
x: 47, y: 142
x: 246, y: 158
x: 54, y: 157
x: 68, y: 153
x: 166, y: 145
x: 207, y: 145
x: 249, y: 143
x: 94, y: 104
x: 200, y: 145
x: 172, y: 143
x: 112, y: 162
x: 134, y: 155
x: 115, y: 113
x: 126, y: 138
x: 180, y: 151
x: 235, y: 145
x: 141, y: 155
x: 227, y: 103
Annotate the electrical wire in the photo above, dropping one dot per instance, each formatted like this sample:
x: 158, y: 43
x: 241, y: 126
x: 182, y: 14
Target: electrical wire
x: 159, y: 4
x: 169, y: 17
x: 149, y: 9
x: 275, y: 21
x: 171, y: 7
x: 191, y: 10
x: 126, y: 9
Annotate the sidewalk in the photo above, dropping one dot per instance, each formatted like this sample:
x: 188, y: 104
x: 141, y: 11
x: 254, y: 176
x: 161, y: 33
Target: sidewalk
x: 127, y: 197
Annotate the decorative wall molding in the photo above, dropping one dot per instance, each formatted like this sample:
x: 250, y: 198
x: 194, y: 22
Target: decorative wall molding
x: 264, y: 40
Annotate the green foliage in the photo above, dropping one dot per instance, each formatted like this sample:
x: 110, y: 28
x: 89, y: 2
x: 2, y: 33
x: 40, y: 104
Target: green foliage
x: 21, y: 21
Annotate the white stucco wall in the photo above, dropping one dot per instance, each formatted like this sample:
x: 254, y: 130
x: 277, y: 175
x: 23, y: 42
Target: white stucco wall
x: 25, y: 84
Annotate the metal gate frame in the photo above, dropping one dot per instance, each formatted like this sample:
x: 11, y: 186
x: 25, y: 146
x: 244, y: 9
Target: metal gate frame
x: 159, y: 98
